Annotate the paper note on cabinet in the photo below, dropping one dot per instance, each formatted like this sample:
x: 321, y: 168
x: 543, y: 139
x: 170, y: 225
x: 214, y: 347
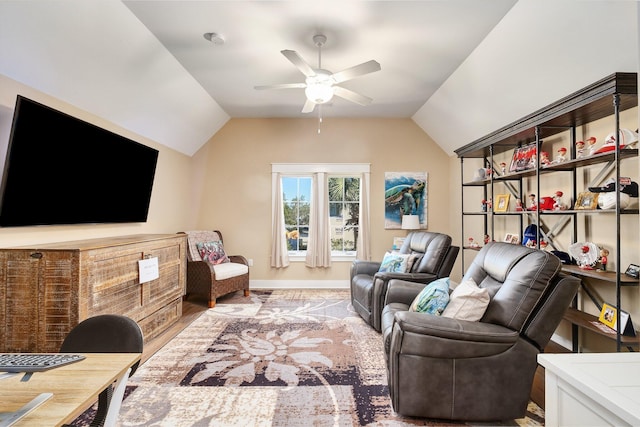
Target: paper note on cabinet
x: 148, y: 269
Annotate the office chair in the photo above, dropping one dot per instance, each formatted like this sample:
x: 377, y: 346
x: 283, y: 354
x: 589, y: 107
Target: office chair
x: 106, y: 333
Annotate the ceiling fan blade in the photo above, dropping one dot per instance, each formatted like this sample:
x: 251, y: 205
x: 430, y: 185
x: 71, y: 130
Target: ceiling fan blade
x: 358, y: 70
x: 308, y: 106
x: 300, y: 63
x: 352, y: 96
x: 282, y: 86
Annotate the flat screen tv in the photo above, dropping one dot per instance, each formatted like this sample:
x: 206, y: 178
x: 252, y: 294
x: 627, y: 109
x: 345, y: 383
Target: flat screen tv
x: 62, y: 170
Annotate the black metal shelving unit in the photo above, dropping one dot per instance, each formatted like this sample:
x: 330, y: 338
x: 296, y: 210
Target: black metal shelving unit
x: 604, y: 98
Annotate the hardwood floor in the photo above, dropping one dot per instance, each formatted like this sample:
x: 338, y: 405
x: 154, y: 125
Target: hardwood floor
x: 191, y: 310
x: 537, y: 391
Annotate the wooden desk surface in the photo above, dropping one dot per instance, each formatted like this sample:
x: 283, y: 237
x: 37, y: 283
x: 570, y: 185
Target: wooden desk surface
x: 75, y: 388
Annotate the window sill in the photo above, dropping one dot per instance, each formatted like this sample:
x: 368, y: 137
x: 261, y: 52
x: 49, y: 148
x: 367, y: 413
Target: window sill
x: 335, y: 258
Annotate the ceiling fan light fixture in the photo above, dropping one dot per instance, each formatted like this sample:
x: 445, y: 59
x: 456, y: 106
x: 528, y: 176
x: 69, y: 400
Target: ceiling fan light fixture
x: 319, y: 87
x: 320, y: 93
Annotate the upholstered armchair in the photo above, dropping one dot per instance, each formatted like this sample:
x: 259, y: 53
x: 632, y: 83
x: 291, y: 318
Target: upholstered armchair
x: 450, y: 368
x: 434, y: 258
x: 220, y: 274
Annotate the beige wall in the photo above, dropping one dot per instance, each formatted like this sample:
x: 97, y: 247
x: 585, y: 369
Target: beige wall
x: 227, y: 184
x: 170, y: 201
x: 236, y: 186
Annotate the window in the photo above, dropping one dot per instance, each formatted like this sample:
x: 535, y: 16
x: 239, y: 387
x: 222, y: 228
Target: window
x: 295, y: 204
x: 344, y: 213
x: 344, y: 206
x: 296, y: 199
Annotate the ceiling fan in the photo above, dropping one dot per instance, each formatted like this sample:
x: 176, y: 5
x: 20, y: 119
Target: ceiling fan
x: 320, y: 85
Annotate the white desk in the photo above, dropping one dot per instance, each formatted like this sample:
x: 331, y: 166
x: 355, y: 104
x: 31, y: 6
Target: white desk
x: 592, y: 389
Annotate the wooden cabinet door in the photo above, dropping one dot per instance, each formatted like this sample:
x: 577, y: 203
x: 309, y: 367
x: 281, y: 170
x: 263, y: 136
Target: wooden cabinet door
x: 38, y: 291
x: 18, y: 294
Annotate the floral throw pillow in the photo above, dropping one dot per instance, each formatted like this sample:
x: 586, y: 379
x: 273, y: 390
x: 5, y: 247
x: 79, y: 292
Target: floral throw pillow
x: 212, y: 252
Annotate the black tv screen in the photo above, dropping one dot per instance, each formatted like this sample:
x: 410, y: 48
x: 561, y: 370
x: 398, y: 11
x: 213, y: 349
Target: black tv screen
x: 62, y: 170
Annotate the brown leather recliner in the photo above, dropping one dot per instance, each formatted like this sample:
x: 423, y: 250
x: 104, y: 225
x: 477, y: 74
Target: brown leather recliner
x: 369, y: 287
x: 446, y: 368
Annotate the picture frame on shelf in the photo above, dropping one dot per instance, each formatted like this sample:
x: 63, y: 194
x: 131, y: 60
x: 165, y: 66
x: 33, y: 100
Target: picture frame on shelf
x: 633, y: 271
x: 512, y: 238
x: 524, y: 158
x: 398, y: 242
x: 586, y: 200
x: 609, y: 316
x: 502, y: 203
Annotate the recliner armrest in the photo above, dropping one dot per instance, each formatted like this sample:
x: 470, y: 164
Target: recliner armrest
x: 369, y: 268
x: 403, y: 291
x: 427, y: 335
x: 423, y: 278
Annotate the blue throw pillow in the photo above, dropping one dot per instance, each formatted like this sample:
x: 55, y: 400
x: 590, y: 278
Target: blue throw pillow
x: 395, y: 263
x: 433, y: 299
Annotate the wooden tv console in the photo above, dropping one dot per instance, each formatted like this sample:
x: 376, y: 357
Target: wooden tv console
x: 45, y: 290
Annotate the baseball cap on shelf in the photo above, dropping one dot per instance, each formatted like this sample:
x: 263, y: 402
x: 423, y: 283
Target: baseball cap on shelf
x: 626, y: 186
x: 627, y: 137
x: 608, y: 200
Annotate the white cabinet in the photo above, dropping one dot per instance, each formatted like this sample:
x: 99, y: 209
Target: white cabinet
x: 592, y: 389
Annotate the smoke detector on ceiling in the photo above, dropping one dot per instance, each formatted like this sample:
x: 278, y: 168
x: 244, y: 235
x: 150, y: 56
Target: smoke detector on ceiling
x: 214, y: 38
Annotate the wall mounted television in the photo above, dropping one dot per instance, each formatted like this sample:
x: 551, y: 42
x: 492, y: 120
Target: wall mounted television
x: 62, y: 170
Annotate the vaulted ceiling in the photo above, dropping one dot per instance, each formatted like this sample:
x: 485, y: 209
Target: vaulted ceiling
x: 451, y: 65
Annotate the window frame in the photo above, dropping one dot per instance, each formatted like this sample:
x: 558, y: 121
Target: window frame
x: 354, y: 170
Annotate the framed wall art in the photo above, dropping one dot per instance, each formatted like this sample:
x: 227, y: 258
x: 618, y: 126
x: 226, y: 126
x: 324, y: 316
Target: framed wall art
x: 405, y: 193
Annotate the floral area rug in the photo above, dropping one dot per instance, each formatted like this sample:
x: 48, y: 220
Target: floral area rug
x: 276, y: 358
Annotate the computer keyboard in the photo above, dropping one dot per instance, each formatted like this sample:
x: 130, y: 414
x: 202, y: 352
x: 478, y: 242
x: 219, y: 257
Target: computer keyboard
x: 35, y: 362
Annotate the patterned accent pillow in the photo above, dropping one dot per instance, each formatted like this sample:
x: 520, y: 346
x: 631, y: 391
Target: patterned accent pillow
x: 212, y: 252
x: 394, y: 263
x: 467, y: 302
x: 433, y: 299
